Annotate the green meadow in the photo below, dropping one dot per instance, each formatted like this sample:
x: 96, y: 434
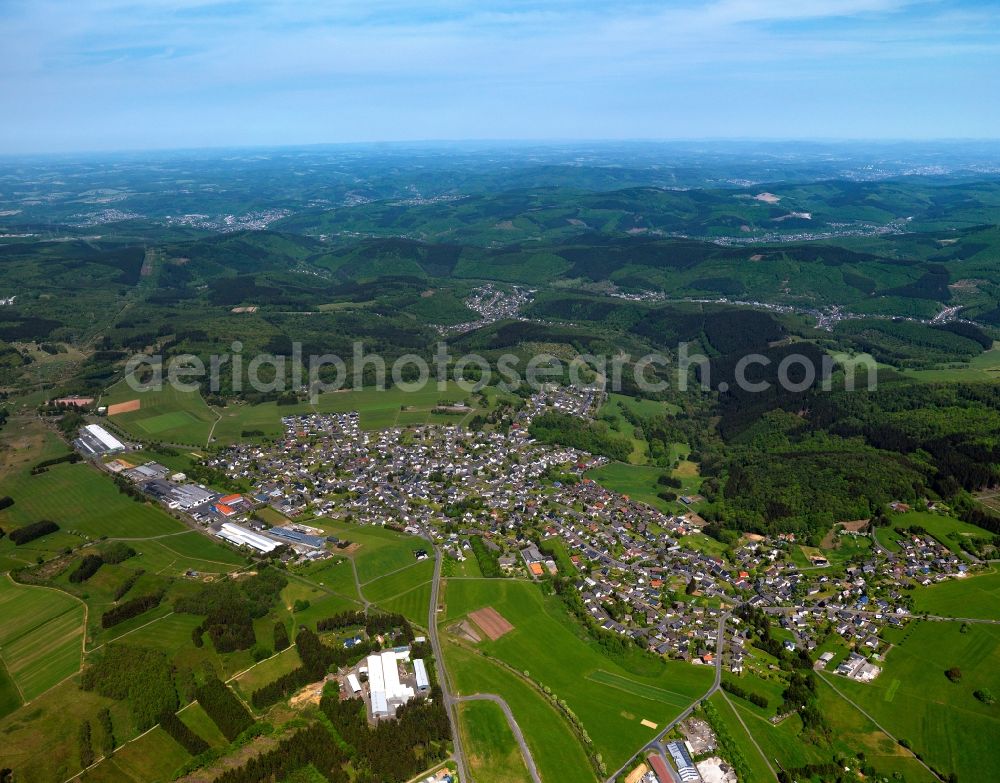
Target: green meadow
x: 41, y: 637
x: 84, y: 503
x: 549, y: 644
x: 941, y: 719
x: 407, y: 591
x: 639, y: 482
x: 167, y: 414
x: 947, y: 530
x: 976, y: 596
x: 554, y: 747
x: 491, y: 751
x: 40, y: 739
x: 380, y: 551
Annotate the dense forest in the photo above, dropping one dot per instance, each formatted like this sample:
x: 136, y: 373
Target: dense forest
x: 139, y: 676
x: 593, y: 436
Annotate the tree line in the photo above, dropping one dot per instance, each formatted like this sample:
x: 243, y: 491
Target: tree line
x: 224, y: 708
x: 30, y: 532
x: 182, y: 734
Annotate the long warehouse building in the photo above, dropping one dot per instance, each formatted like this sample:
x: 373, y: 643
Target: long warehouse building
x: 243, y: 537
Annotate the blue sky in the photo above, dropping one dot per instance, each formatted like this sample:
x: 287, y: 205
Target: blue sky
x: 138, y: 74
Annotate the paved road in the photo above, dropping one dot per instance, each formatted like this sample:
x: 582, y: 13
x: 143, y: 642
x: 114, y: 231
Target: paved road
x: 529, y: 762
x: 449, y: 700
x: 656, y: 744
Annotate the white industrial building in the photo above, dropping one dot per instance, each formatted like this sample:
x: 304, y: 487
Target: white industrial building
x: 235, y: 534
x: 110, y: 441
x: 94, y: 441
x: 352, y: 680
x: 423, y: 683
x: 387, y: 693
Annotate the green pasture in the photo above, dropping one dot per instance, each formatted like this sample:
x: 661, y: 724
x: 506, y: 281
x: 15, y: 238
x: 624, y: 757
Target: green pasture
x: 636, y: 481
x: 381, y: 551
x: 196, y: 719
x: 267, y: 672
x: 947, y: 530
x: 976, y: 596
x: 940, y: 719
x: 84, y: 503
x: 335, y: 574
x: 759, y: 773
x: 167, y: 414
x: 554, y: 747
x: 39, y: 740
x: 393, y: 584
x: 377, y: 410
x: 41, y: 636
x: 414, y: 604
x: 156, y: 756
x: 488, y: 744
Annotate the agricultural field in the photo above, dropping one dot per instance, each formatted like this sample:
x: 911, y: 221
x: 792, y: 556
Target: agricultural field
x: 40, y: 739
x: 10, y: 697
x: 196, y: 719
x: 636, y: 481
x: 407, y: 591
x: 982, y: 368
x: 491, y: 751
x: 335, y: 575
x: 155, y: 756
x: 84, y: 503
x: 167, y: 415
x: 549, y: 644
x: 41, y: 637
x: 414, y: 604
x: 377, y: 410
x: 976, y: 596
x: 759, y: 772
x: 941, y: 719
x: 266, y: 672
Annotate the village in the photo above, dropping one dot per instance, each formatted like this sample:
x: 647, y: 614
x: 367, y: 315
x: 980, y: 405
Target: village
x: 530, y: 508
x: 636, y: 575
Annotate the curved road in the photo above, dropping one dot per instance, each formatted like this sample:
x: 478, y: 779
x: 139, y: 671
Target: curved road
x: 529, y: 762
x: 656, y: 744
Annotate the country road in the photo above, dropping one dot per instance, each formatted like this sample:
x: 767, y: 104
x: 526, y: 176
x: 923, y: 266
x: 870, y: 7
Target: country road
x: 529, y: 762
x: 449, y: 700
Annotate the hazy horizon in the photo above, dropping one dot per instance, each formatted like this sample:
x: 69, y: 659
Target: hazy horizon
x: 130, y: 75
